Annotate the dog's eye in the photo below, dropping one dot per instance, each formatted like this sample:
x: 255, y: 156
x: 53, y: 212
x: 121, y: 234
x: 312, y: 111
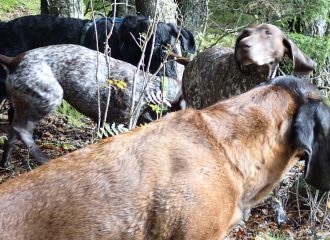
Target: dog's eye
x: 246, y: 32
x: 268, y: 32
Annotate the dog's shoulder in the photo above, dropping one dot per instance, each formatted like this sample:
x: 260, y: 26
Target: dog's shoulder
x: 302, y: 89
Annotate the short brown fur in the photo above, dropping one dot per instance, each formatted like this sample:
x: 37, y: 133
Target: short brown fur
x: 189, y: 175
x: 11, y: 62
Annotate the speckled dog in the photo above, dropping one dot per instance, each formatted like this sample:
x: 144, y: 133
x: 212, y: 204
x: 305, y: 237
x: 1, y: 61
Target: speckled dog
x: 218, y: 72
x: 40, y: 78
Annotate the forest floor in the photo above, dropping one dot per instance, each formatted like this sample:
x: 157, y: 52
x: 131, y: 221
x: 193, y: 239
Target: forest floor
x: 56, y: 136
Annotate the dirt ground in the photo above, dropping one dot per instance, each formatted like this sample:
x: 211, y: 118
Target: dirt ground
x: 54, y: 135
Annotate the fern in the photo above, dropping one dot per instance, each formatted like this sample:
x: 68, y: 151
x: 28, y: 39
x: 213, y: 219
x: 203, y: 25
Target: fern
x: 157, y: 98
x: 111, y: 130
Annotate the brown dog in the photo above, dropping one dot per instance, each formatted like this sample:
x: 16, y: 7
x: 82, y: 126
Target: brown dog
x: 187, y: 176
x: 218, y: 73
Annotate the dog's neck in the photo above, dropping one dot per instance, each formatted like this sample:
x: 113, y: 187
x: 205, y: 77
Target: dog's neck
x: 262, y: 142
x: 266, y: 71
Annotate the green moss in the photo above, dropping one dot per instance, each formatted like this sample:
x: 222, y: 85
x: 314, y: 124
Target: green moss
x: 10, y: 9
x: 74, y: 117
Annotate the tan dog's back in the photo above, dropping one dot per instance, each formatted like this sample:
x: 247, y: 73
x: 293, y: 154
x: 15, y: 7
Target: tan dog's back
x: 147, y: 183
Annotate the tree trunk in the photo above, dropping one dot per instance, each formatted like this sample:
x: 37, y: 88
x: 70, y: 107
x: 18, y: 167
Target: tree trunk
x: 320, y: 28
x: 64, y: 8
x: 167, y: 9
x: 317, y: 28
x: 195, y: 14
x: 124, y: 7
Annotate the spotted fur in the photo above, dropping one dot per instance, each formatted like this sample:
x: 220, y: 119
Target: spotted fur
x: 46, y: 75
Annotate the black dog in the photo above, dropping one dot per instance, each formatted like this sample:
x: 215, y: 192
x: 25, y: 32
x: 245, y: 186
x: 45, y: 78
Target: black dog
x: 29, y: 32
x: 124, y: 41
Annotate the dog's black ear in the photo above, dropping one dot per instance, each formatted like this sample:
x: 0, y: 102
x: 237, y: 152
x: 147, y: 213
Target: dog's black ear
x: 187, y: 39
x: 301, y: 62
x: 312, y: 133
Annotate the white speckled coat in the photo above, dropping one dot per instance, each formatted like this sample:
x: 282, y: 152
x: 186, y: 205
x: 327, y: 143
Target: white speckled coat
x: 43, y: 76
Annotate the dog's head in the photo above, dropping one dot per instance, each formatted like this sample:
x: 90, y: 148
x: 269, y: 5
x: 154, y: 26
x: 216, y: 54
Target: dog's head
x: 166, y: 34
x: 130, y: 33
x: 96, y: 34
x: 266, y: 44
x: 311, y: 132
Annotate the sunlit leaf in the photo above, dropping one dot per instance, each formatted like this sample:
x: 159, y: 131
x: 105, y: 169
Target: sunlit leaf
x: 117, y: 83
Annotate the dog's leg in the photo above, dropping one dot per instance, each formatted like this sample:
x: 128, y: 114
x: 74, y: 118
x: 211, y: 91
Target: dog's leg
x: 22, y: 131
x: 25, y: 134
x: 8, y: 147
x: 25, y: 117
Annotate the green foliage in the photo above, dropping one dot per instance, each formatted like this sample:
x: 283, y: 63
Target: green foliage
x: 228, y: 14
x: 8, y: 7
x: 100, y: 7
x: 2, y: 140
x: 210, y: 40
x: 303, y: 13
x: 296, y: 14
x: 327, y: 101
x: 112, y: 130
x: 74, y: 117
x: 155, y: 108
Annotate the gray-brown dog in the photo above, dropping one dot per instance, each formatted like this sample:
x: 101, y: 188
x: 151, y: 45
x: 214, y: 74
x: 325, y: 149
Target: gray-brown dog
x: 218, y: 73
x: 41, y: 77
x: 189, y: 175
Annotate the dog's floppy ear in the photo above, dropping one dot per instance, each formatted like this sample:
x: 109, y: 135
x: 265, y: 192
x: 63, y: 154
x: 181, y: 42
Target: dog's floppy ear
x: 301, y: 62
x: 312, y: 133
x: 186, y: 38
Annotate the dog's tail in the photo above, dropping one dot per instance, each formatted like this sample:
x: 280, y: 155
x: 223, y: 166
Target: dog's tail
x: 11, y: 63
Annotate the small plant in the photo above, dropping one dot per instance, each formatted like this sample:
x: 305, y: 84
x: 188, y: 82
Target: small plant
x: 72, y: 114
x: 117, y: 83
x: 158, y: 102
x: 271, y: 236
x: 111, y: 130
x: 2, y: 140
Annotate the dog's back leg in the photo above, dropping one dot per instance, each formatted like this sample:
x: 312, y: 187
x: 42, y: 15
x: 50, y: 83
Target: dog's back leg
x: 32, y: 101
x: 8, y: 147
x: 25, y: 134
x: 22, y: 132
x: 22, y: 128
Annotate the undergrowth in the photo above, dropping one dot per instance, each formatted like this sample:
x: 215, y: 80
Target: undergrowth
x: 73, y: 116
x: 9, y: 9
